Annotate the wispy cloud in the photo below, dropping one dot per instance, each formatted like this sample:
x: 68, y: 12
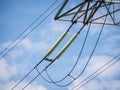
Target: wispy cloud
x: 30, y: 45
x: 9, y: 85
x: 106, y: 81
x: 6, y: 77
x: 57, y: 26
x: 7, y: 71
x: 111, y: 44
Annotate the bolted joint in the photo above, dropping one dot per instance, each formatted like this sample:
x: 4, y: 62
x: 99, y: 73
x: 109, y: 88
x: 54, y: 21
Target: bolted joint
x: 74, y: 21
x: 50, y: 60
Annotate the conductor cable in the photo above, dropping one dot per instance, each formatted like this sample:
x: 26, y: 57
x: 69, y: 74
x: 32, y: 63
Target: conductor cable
x: 67, y: 75
x: 3, y: 53
x: 41, y: 60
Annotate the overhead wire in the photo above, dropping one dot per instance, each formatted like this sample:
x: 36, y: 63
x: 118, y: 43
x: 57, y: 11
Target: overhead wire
x: 55, y: 82
x: 81, y: 84
x: 42, y: 59
x: 99, y: 37
x: 21, y: 34
x: 79, y: 55
x: 22, y: 79
x: 61, y: 38
x: 100, y: 33
x: 90, y: 55
x: 77, y: 59
x: 73, y: 22
x: 67, y: 75
x: 45, y: 69
x: 50, y: 51
x: 26, y: 75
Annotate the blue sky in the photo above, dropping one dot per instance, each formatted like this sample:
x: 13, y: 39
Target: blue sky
x: 16, y: 15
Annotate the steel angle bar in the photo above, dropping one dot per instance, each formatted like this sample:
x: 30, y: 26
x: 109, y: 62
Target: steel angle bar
x: 60, y: 10
x: 82, y: 12
x: 109, y: 13
x: 105, y: 15
x: 93, y: 13
x: 93, y: 22
x: 57, y: 17
x: 80, y: 8
x: 108, y: 1
x: 86, y: 12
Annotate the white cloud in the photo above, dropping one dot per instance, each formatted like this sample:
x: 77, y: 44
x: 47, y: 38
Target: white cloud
x: 57, y: 26
x: 4, y: 45
x: 36, y: 87
x: 111, y: 44
x: 106, y: 81
x: 26, y: 45
x: 100, y: 85
x: 6, y: 71
x: 30, y: 45
x: 98, y: 61
x: 9, y: 85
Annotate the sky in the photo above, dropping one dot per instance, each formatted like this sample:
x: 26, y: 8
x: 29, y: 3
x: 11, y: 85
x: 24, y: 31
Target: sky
x: 17, y: 15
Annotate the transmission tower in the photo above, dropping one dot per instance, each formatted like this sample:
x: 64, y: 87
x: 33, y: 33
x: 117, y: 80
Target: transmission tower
x: 90, y: 11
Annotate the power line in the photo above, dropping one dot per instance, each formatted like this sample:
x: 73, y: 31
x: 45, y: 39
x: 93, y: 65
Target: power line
x: 22, y: 79
x: 87, y: 61
x: 74, y: 78
x: 41, y: 60
x: 81, y: 84
x: 41, y: 71
x: 68, y: 75
x: 97, y: 41
x: 15, y: 40
x: 51, y: 62
x: 26, y: 75
x: 52, y: 81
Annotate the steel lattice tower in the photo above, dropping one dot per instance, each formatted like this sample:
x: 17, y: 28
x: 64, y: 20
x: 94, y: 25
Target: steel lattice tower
x: 88, y: 11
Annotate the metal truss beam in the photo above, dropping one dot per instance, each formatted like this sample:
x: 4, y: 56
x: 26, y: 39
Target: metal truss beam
x: 89, y: 12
